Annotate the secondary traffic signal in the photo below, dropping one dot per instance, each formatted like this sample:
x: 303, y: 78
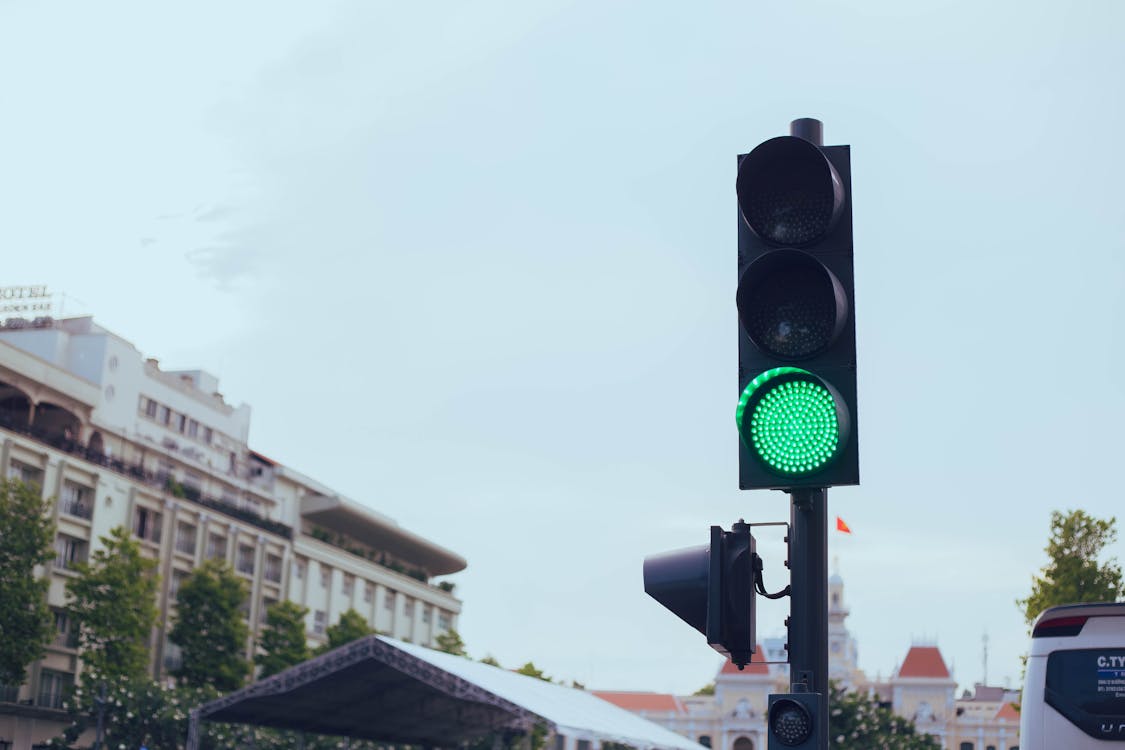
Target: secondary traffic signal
x: 711, y: 588
x: 793, y: 721
x: 796, y: 342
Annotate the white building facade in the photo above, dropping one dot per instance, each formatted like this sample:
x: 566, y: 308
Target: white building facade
x: 113, y: 440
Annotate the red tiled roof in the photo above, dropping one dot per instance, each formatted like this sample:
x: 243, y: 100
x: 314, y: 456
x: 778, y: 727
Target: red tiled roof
x: 754, y: 667
x: 1009, y: 712
x: 923, y: 661
x: 631, y: 701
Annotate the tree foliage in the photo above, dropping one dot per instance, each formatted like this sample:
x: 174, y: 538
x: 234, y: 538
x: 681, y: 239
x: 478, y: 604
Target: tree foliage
x: 113, y: 603
x: 1073, y: 573
x: 283, y: 638
x: 143, y: 713
x: 209, y: 628
x: 450, y: 642
x: 25, y: 541
x: 351, y: 627
x: 137, y: 712
x: 531, y: 670
x: 856, y: 722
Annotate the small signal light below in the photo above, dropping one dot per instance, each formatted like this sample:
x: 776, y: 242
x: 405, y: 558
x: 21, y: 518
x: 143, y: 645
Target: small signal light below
x: 791, y: 724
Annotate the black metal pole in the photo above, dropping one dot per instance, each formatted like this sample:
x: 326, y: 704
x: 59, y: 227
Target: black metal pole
x: 808, y: 614
x: 809, y: 129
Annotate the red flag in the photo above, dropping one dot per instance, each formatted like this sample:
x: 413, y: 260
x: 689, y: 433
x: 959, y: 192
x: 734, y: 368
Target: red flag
x: 841, y: 526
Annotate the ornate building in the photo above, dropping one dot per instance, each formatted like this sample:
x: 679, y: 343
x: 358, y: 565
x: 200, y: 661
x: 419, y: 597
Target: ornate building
x: 921, y: 688
x: 111, y: 439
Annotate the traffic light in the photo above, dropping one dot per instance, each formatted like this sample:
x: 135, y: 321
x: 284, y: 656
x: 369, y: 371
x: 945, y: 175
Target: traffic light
x: 793, y: 721
x: 796, y: 414
x: 711, y: 588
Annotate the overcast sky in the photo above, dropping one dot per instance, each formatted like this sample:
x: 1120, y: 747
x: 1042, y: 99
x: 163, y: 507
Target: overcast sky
x: 473, y: 265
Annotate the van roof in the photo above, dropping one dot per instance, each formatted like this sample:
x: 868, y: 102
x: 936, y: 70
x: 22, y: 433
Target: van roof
x: 1095, y: 609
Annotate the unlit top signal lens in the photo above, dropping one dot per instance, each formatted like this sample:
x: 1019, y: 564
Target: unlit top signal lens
x: 788, y: 192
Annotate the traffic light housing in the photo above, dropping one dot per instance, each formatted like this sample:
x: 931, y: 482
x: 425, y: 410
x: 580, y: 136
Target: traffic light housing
x: 711, y: 588
x: 793, y: 722
x: 796, y: 413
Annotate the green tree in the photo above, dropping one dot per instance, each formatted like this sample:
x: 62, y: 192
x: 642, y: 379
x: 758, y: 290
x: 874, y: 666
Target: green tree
x: 209, y: 628
x: 531, y: 670
x: 450, y: 642
x: 137, y: 712
x: 490, y: 660
x: 708, y: 689
x: 856, y: 722
x: 351, y: 627
x: 26, y: 532
x: 1073, y: 573
x: 113, y: 603
x: 283, y: 638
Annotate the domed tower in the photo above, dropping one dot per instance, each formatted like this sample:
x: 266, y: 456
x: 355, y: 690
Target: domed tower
x: 843, y: 653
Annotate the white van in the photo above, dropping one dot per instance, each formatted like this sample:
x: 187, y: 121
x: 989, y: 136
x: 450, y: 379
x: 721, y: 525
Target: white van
x: 1074, y: 695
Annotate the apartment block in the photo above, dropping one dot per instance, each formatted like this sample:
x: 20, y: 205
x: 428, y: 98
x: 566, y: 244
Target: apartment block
x: 114, y: 440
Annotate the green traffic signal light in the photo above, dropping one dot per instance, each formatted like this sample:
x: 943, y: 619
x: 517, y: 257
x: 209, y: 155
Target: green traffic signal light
x: 792, y: 421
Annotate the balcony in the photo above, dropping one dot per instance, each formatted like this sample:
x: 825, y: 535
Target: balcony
x: 140, y: 474
x: 78, y: 508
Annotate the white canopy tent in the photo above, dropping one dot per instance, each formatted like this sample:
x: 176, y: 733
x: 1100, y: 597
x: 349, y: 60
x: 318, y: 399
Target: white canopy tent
x: 383, y: 689
x: 575, y: 714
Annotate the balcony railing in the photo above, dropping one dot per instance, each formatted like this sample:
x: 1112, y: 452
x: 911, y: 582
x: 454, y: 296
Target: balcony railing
x: 9, y: 693
x: 139, y: 473
x: 76, y: 508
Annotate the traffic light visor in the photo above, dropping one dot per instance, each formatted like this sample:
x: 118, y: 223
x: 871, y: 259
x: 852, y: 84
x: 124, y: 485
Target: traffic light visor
x: 790, y: 305
x: 788, y: 192
x: 792, y: 421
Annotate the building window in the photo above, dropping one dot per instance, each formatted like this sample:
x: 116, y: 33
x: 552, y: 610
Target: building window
x: 185, y: 538
x: 216, y: 546
x: 69, y: 552
x: 66, y: 635
x: 26, y: 474
x: 193, y: 429
x: 178, y: 577
x: 368, y: 591
x: 705, y: 740
x: 443, y: 621
x: 299, y: 569
x: 349, y: 584
x: 165, y: 415
x: 325, y: 576
x: 319, y: 621
x: 264, y: 611
x: 76, y: 500
x: 273, y: 568
x: 208, y: 434
x: 426, y: 616
x: 146, y: 524
x: 408, y: 608
x: 179, y: 422
x: 245, y: 561
x: 966, y: 746
x: 52, y: 688
x: 148, y: 406
x: 389, y: 600
x: 173, y: 656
